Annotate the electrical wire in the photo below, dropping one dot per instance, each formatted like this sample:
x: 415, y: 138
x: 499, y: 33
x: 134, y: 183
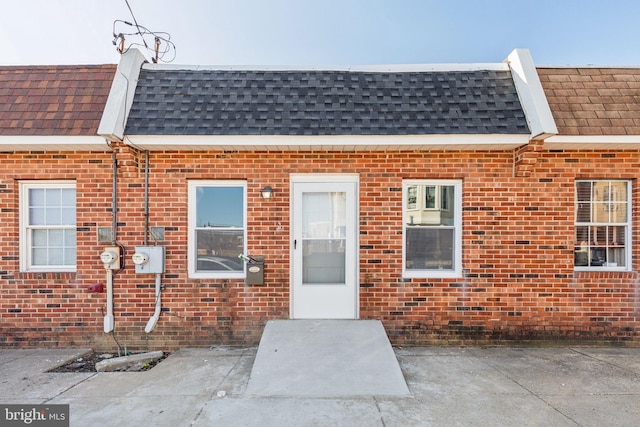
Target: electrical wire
x: 160, y: 40
x: 113, y: 335
x: 135, y: 21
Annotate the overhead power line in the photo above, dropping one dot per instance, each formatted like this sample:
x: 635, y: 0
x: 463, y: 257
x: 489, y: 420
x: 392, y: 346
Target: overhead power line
x: 162, y: 48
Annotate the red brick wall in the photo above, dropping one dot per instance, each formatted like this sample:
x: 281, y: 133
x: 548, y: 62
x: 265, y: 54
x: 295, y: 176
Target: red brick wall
x: 519, y: 282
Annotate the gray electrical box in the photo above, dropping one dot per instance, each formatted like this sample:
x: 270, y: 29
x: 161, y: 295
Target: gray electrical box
x: 149, y: 259
x: 255, y: 271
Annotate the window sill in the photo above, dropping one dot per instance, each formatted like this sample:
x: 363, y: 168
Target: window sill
x: 432, y: 274
x: 213, y: 276
x: 602, y: 269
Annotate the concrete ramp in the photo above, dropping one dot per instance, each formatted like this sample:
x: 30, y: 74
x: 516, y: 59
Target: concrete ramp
x: 326, y: 358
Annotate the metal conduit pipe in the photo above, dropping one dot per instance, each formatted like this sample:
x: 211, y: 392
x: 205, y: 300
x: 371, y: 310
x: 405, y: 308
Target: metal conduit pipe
x: 156, y: 314
x: 153, y: 320
x: 114, y: 197
x: 146, y: 197
x: 109, y: 322
x: 108, y: 318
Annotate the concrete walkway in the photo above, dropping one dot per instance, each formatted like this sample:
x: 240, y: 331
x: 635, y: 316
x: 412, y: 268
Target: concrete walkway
x: 448, y: 386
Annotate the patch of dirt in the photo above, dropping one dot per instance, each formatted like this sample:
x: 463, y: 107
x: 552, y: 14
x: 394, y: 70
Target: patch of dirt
x: 87, y: 363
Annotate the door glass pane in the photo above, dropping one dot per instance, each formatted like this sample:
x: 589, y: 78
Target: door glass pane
x: 323, y: 261
x: 323, y: 215
x: 324, y: 237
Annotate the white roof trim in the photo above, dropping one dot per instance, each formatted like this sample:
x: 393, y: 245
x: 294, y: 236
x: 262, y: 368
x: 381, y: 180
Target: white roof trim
x: 588, y: 66
x: 532, y: 97
x: 53, y: 143
x: 393, y: 68
x: 594, y: 138
x: 343, y: 143
x: 592, y: 142
x: 120, y: 100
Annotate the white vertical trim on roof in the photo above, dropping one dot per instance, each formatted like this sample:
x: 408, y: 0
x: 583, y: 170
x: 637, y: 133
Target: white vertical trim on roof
x: 532, y: 97
x: 120, y: 100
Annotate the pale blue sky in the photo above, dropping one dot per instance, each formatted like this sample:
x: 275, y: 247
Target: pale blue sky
x: 329, y: 32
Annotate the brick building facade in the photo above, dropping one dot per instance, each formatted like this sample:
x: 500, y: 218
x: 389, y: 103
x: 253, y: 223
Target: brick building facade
x: 531, y: 259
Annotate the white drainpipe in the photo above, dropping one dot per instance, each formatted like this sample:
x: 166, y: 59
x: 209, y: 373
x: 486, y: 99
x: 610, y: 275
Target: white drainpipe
x: 156, y: 314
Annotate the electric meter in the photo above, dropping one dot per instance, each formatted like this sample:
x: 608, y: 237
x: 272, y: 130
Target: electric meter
x: 149, y: 259
x: 110, y: 257
x: 139, y: 258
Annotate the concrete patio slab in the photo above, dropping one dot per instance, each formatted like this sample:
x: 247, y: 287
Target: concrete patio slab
x: 326, y: 358
x: 288, y: 411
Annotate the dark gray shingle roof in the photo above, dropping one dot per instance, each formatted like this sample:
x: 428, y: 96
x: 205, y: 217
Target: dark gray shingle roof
x: 243, y: 102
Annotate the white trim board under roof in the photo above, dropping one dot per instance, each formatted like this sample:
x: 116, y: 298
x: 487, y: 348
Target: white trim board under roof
x: 326, y: 143
x: 592, y: 142
x: 10, y: 143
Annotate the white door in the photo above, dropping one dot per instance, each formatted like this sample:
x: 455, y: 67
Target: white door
x: 324, y: 268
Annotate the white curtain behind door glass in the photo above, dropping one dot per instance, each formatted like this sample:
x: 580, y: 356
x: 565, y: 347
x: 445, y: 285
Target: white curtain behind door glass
x: 323, y: 237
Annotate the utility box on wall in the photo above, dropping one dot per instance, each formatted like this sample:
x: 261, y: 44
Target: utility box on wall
x: 255, y: 271
x: 149, y: 259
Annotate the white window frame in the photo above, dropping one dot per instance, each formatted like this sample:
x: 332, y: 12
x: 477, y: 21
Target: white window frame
x: 628, y: 226
x: 193, y: 185
x: 26, y: 262
x: 456, y: 271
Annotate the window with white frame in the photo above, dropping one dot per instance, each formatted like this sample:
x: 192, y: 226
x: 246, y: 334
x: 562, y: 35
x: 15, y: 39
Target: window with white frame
x: 432, y: 228
x: 48, y: 226
x: 603, y: 225
x: 217, y: 228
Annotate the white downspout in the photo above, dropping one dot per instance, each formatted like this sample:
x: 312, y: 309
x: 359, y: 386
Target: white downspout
x: 156, y: 314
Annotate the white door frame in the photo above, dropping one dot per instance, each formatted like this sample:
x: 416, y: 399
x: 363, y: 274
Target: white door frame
x: 355, y: 207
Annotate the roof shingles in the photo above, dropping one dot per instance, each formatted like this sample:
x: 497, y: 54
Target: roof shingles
x: 53, y: 100
x: 243, y: 102
x: 593, y: 101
